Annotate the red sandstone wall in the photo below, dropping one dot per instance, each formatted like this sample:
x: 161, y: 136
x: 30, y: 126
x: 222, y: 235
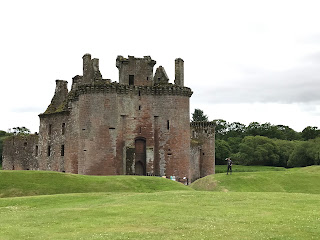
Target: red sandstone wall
x: 20, y: 153
x: 54, y: 138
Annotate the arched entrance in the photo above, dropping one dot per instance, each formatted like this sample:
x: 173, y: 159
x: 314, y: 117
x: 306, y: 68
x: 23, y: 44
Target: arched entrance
x: 140, y: 157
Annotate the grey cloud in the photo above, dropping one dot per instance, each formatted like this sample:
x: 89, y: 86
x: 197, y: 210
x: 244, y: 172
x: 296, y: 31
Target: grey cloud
x: 300, y: 85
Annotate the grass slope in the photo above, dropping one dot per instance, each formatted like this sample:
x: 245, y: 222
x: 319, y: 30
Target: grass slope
x: 29, y: 183
x: 240, y: 168
x: 161, y: 215
x: 299, y: 180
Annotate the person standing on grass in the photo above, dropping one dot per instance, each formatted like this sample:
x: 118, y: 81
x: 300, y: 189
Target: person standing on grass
x: 229, y: 163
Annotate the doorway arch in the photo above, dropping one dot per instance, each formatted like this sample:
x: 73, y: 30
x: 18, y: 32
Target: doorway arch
x: 140, y: 156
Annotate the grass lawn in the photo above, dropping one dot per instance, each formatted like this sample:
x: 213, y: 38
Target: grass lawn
x: 240, y: 168
x: 245, y: 205
x: 299, y: 180
x: 162, y: 215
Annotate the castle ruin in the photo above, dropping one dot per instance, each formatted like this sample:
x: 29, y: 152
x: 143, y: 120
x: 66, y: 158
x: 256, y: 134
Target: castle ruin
x: 139, y: 125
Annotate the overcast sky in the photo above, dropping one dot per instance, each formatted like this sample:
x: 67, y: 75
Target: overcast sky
x: 245, y: 61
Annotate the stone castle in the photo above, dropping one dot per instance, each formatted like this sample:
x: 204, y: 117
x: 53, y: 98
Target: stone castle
x: 139, y: 125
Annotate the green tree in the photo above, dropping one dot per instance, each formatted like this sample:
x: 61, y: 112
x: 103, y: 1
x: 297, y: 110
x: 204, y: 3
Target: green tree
x: 222, y: 151
x: 199, y: 116
x: 303, y: 155
x: 20, y: 131
x: 310, y: 133
x: 285, y: 150
x: 221, y: 128
x: 234, y: 143
x: 258, y: 150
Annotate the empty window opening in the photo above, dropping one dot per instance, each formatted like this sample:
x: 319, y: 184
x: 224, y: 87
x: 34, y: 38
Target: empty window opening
x: 111, y: 128
x: 147, y: 78
x: 63, y: 128
x: 50, y: 129
x: 36, y: 151
x: 139, y: 107
x: 140, y: 130
x: 159, y: 79
x: 202, y: 153
x: 49, y: 151
x: 168, y: 124
x: 131, y: 79
x: 139, y: 93
x: 62, y: 150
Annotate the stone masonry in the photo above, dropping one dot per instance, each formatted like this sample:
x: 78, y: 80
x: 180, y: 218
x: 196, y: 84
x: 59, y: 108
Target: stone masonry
x: 139, y: 125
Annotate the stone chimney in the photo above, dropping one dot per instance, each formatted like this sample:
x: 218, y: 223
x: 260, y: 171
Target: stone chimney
x: 179, y: 72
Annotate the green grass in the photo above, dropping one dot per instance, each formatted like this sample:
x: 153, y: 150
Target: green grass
x: 29, y: 183
x: 240, y: 168
x: 245, y: 205
x: 161, y: 215
x: 299, y: 180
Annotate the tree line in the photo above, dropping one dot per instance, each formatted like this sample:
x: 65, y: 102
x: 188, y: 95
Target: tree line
x: 264, y: 144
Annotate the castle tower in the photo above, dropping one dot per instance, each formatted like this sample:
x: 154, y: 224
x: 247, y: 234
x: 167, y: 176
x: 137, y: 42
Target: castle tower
x: 204, y: 134
x: 135, y: 71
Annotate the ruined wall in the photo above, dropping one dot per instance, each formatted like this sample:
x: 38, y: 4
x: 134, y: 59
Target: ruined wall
x: 195, y: 151
x: 52, y: 141
x: 20, y: 153
x: 203, y: 135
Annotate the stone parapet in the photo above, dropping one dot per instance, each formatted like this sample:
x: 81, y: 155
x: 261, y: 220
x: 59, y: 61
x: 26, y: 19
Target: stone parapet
x: 128, y: 89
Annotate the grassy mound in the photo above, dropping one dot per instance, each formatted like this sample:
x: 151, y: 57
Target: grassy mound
x: 298, y: 180
x: 241, y: 168
x: 29, y: 183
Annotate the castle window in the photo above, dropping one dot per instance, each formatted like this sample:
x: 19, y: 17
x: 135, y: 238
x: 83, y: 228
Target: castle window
x: 49, y: 151
x: 139, y: 93
x: 139, y: 107
x: 63, y: 128
x: 131, y: 79
x: 140, y: 129
x: 50, y: 129
x: 36, y: 151
x: 168, y: 124
x: 62, y: 150
x: 147, y: 78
